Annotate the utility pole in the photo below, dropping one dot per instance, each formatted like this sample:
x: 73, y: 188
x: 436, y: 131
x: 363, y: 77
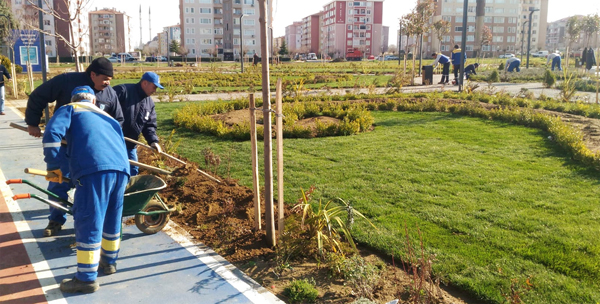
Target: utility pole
x: 531, y: 11
x: 400, y: 44
x: 463, y: 47
x: 523, y: 38
x: 241, y: 43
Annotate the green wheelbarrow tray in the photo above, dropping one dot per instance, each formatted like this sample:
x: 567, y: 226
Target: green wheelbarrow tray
x: 140, y: 200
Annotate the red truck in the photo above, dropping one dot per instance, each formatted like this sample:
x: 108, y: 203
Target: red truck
x: 354, y: 55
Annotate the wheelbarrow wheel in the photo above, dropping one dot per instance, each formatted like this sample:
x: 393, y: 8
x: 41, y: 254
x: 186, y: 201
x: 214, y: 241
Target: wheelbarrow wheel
x: 151, y: 224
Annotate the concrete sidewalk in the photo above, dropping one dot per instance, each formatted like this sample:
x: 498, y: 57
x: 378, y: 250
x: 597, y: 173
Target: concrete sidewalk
x: 165, y: 267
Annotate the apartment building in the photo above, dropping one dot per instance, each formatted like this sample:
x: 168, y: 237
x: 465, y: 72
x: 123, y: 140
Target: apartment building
x: 25, y: 13
x: 110, y: 32
x: 352, y: 25
x: 293, y: 35
x: 385, y: 39
x: 557, y: 37
x: 310, y: 33
x: 219, y: 27
x: 508, y: 21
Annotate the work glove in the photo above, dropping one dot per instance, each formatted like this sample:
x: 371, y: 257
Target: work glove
x: 55, y: 176
x: 156, y: 146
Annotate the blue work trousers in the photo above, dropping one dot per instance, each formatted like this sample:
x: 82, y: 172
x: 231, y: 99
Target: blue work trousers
x: 61, y: 190
x: 556, y: 63
x: 514, y: 66
x: 132, y: 155
x: 97, y: 212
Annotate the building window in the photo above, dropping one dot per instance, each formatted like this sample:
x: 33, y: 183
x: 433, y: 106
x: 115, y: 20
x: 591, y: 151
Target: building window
x: 204, y: 10
x: 248, y: 21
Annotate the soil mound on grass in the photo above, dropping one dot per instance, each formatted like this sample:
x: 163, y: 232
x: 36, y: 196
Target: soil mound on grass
x: 240, y: 117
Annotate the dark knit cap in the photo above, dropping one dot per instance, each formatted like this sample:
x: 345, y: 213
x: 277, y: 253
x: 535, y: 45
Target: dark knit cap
x: 101, y: 66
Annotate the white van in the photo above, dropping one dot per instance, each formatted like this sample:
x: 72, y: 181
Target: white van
x: 311, y: 56
x: 125, y: 57
x: 540, y: 54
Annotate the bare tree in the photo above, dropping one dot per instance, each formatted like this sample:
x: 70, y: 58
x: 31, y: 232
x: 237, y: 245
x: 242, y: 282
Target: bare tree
x: 486, y: 38
x: 70, y: 12
x: 590, y: 25
x: 441, y: 28
x: 573, y: 28
x: 183, y: 52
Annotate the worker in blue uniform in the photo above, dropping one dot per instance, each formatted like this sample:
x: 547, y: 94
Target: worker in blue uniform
x: 445, y: 61
x: 456, y: 53
x: 99, y: 168
x: 139, y: 113
x: 59, y: 88
x: 471, y: 70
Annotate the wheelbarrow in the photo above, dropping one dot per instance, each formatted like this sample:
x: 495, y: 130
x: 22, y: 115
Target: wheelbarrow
x: 141, y: 200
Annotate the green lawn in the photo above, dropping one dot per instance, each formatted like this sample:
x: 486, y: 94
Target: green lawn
x: 494, y: 201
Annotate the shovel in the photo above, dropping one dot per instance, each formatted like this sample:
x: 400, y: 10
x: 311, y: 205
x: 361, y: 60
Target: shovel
x: 131, y: 162
x: 171, y: 157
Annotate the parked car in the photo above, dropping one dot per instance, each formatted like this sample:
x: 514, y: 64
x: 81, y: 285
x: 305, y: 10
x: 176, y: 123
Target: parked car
x: 540, y: 54
x: 371, y: 57
x: 311, y: 56
x: 507, y: 55
x: 390, y: 57
x: 126, y: 57
x: 155, y: 58
x: 114, y: 59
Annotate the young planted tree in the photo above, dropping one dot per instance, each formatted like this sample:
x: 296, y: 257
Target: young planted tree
x: 8, y: 23
x: 486, y: 39
x: 441, y: 28
x: 70, y: 12
x: 419, y: 24
x: 590, y: 25
x: 573, y: 28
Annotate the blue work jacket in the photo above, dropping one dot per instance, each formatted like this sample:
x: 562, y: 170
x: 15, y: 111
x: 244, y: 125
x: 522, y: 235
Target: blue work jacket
x: 139, y: 113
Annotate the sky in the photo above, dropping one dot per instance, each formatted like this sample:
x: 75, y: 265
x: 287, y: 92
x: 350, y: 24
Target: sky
x: 166, y: 12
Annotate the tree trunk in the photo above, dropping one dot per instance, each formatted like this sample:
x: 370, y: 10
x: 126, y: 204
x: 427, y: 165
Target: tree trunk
x: 13, y: 72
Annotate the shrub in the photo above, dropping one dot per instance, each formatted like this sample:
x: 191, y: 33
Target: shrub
x: 359, y: 274
x: 549, y: 79
x: 494, y: 77
x: 301, y: 291
x: 501, y: 67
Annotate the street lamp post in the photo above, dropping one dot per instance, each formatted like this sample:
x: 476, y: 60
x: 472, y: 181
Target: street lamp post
x: 531, y: 11
x: 241, y: 43
x: 523, y: 38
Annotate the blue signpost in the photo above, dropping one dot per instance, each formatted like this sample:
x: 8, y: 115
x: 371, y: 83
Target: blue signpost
x: 27, y: 48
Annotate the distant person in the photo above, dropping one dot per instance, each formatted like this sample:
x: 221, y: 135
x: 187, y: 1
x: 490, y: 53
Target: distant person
x: 139, y: 113
x: 584, y: 57
x: 512, y: 64
x: 100, y: 171
x: 445, y: 61
x: 471, y: 70
x: 555, y: 59
x: 456, y: 61
x: 590, y: 59
x: 256, y: 59
x: 3, y: 72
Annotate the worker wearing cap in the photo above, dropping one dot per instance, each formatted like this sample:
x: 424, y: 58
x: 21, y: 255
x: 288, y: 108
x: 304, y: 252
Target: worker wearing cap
x: 99, y: 168
x: 445, y: 61
x: 97, y: 76
x: 139, y: 113
x: 471, y: 70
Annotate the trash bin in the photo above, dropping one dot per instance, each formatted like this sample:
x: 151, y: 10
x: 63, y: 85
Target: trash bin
x: 427, y: 74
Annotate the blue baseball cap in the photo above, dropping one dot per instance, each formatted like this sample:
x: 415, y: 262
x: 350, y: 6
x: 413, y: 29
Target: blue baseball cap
x: 82, y: 89
x: 153, y: 78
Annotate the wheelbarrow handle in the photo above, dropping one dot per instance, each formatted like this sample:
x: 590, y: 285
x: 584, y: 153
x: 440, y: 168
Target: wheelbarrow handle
x: 14, y: 181
x: 44, y: 173
x: 21, y: 196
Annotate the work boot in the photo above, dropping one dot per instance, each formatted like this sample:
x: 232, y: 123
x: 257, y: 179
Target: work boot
x: 53, y: 228
x: 108, y: 268
x: 74, y: 285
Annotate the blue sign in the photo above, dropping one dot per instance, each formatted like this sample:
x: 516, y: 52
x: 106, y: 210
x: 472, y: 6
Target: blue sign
x: 27, y: 48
